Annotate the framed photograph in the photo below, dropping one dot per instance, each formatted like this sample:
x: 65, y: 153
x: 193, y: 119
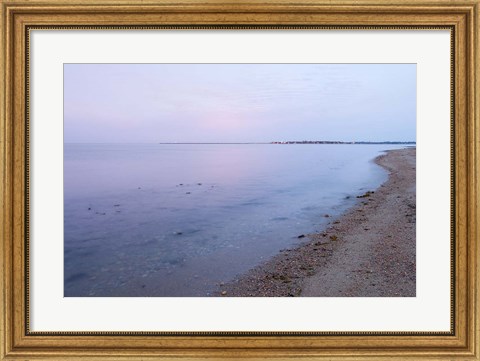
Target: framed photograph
x: 239, y: 180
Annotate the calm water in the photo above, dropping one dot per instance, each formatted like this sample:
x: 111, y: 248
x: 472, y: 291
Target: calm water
x: 176, y: 220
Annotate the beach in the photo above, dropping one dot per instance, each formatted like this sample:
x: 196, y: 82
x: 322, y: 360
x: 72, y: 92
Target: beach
x: 369, y: 251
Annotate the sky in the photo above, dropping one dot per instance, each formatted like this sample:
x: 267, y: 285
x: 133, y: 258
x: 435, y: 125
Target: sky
x: 152, y: 103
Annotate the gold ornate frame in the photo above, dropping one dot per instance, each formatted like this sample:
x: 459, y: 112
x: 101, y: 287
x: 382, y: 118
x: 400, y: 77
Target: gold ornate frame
x: 19, y: 17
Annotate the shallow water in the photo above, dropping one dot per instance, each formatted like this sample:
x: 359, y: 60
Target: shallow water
x: 176, y: 220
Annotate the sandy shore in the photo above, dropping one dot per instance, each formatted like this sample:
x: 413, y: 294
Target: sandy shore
x: 367, y: 252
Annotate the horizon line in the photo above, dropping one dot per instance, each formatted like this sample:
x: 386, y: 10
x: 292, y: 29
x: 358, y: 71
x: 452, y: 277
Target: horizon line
x: 270, y: 142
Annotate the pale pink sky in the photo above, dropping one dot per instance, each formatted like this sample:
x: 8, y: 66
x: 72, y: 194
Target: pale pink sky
x: 150, y: 103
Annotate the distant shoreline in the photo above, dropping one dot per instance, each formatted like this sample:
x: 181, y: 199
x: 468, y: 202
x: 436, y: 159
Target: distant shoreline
x: 367, y: 252
x: 297, y: 142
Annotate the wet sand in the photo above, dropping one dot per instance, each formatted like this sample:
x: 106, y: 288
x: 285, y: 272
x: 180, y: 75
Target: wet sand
x: 367, y: 252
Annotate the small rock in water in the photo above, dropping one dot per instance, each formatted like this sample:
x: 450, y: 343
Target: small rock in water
x: 188, y: 193
x: 224, y: 293
x: 326, y: 216
x: 199, y: 184
x: 178, y: 233
x: 116, y: 205
x: 366, y: 195
x: 89, y: 208
x: 301, y: 236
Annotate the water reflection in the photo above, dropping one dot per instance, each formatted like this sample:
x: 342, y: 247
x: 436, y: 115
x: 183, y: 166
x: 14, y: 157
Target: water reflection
x: 176, y: 220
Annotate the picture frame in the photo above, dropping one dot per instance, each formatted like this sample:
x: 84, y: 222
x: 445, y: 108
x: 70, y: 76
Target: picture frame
x: 19, y: 17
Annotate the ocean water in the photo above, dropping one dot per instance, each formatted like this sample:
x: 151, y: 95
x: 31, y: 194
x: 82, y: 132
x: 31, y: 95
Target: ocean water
x: 178, y: 219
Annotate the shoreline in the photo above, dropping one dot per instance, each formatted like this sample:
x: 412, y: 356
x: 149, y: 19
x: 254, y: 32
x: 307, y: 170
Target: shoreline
x: 369, y: 251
